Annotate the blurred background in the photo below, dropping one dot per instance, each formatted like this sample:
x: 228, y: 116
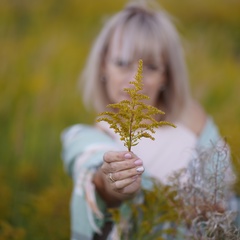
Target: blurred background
x: 43, y: 47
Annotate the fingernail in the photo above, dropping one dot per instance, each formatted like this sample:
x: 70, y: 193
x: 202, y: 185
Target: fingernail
x: 128, y: 155
x: 135, y: 177
x: 140, y: 169
x: 138, y: 162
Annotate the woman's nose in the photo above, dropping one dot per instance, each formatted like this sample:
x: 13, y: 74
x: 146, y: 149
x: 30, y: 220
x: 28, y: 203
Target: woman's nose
x: 130, y: 74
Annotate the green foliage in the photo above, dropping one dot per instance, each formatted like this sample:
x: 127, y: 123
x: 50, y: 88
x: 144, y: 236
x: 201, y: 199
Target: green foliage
x: 11, y: 233
x: 134, y: 119
x: 51, y: 204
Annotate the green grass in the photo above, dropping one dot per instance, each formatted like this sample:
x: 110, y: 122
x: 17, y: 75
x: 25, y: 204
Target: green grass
x: 43, y: 47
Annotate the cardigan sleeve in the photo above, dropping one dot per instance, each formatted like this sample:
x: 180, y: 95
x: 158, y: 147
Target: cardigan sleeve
x: 79, y: 139
x: 82, y: 154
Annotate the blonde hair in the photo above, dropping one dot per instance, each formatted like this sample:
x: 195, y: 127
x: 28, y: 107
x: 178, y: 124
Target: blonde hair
x: 149, y: 33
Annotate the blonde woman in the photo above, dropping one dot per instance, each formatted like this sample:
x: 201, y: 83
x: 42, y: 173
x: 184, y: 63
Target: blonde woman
x: 104, y: 173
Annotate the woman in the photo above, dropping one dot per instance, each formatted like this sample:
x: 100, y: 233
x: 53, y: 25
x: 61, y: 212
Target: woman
x: 104, y: 173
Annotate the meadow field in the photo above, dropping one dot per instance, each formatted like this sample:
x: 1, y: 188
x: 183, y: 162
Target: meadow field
x: 43, y: 47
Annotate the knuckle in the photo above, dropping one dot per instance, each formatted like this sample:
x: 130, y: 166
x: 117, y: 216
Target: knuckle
x: 120, y: 155
x: 103, y: 167
x: 131, y: 172
x: 117, y: 185
x: 118, y: 176
x: 106, y: 157
x: 113, y: 167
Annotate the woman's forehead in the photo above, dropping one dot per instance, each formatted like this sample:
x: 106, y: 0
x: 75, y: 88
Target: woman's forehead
x: 130, y: 44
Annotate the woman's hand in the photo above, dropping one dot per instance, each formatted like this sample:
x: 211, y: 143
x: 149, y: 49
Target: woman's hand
x: 121, y: 176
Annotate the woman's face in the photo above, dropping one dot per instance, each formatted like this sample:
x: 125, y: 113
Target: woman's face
x: 119, y: 73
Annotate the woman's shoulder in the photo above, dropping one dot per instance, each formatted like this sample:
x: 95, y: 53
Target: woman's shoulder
x: 194, y: 117
x: 200, y: 123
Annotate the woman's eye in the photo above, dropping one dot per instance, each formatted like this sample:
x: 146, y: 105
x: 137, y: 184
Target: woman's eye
x: 121, y: 63
x: 151, y: 67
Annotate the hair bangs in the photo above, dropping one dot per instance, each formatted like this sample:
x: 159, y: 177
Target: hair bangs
x: 133, y: 41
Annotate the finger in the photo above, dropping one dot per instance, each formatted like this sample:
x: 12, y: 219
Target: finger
x: 118, y: 156
x: 120, y: 185
x: 118, y: 176
x: 121, y: 166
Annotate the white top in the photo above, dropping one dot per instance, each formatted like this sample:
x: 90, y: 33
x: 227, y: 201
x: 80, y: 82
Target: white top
x: 175, y: 146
